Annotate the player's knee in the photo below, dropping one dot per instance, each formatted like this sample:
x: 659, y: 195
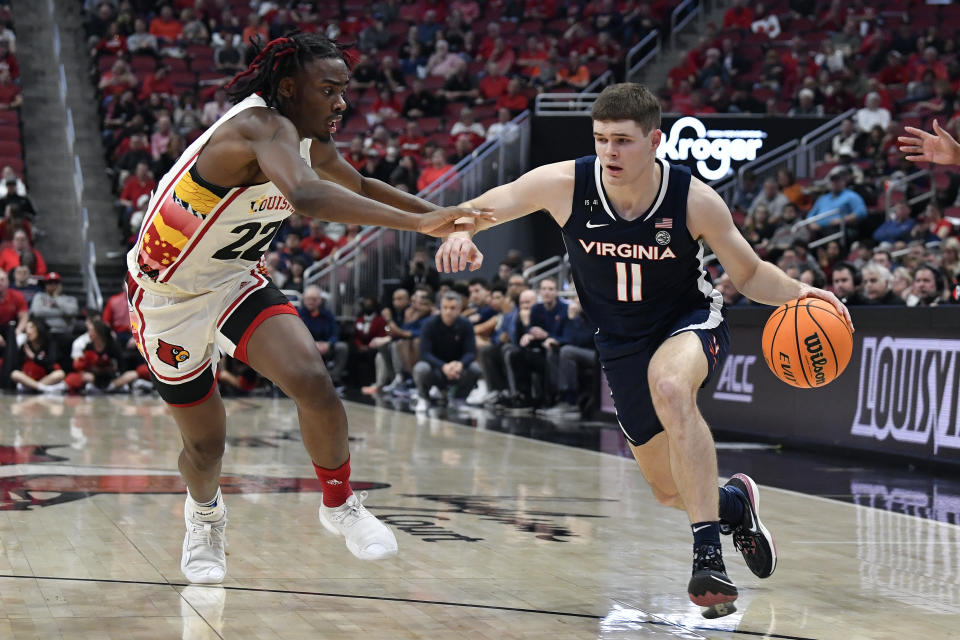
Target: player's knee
x: 669, y: 392
x: 310, y: 384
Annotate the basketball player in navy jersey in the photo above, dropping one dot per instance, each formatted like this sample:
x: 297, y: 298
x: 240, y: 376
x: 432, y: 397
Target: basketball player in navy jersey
x: 634, y: 228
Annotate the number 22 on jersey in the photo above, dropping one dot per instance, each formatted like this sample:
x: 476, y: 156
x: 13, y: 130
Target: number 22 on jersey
x: 629, y: 282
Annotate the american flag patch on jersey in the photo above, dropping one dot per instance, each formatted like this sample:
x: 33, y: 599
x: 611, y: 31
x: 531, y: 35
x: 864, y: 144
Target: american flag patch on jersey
x: 663, y: 223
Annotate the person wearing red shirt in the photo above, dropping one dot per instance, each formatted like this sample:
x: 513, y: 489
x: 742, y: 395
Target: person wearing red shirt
x: 738, y: 16
x: 11, y: 256
x: 112, y: 44
x: 116, y: 315
x: 13, y: 308
x: 412, y: 141
x: 438, y: 167
x: 369, y: 326
x: 513, y: 100
x: 117, y: 80
x: 8, y: 60
x: 166, y: 26
x: 894, y: 73
x: 139, y: 184
x: 533, y: 57
x: 10, y: 96
x: 574, y: 75
x: 318, y: 244
x: 355, y: 157
x: 488, y: 42
x: 494, y: 84
x: 157, y: 82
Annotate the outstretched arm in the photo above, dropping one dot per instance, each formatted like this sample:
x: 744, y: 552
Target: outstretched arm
x: 549, y: 188
x: 330, y: 165
x: 277, y: 149
x: 709, y: 218
x: 939, y: 147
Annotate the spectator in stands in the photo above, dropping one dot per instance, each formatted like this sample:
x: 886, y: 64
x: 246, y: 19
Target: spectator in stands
x: 13, y: 255
x: 462, y: 149
x: 872, y: 114
x: 771, y: 198
x: 902, y: 282
x: 847, y: 205
x: 318, y: 245
x: 842, y: 145
x: 390, y: 75
x: 438, y: 167
x: 478, y: 307
x: 11, y: 196
x: 325, y: 330
x: 165, y: 26
x: 385, y: 107
x: 214, y: 110
x: 459, y: 87
x: 897, y: 226
x: 877, y: 286
x: 513, y: 99
x: 54, y: 307
x: 157, y: 83
x: 746, y: 191
x: 227, y: 58
x: 575, y: 354
x: 10, y: 96
x: 493, y: 85
x: 846, y: 283
x: 255, y: 29
x: 493, y: 358
x: 368, y: 332
x: 738, y: 16
x: 421, y: 103
x: 504, y: 128
x: 98, y: 369
x: 412, y: 141
x: 8, y: 61
x: 443, y: 62
x: 36, y: 368
x: 160, y: 138
x: 23, y: 281
x: 13, y: 308
x: 194, y: 31
x: 11, y: 183
x: 141, y: 183
x: 374, y: 37
x: 406, y: 175
x: 731, y: 297
x: 117, y: 79
x: 805, y: 104
x: 574, y: 75
x: 469, y: 126
x: 141, y: 41
x: 530, y: 60
x: 447, y: 353
x: 420, y: 272
x: 758, y: 228
x: 928, y: 287
x: 516, y: 284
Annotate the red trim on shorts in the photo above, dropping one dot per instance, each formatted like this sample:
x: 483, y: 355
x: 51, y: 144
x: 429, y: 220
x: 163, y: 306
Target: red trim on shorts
x: 213, y: 388
x: 243, y: 296
x: 240, y: 352
x: 191, y: 374
x: 195, y: 239
x: 149, y: 219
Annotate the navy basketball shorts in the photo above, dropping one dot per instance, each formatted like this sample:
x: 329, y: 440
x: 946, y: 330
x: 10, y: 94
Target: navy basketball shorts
x: 627, y: 374
x: 181, y: 338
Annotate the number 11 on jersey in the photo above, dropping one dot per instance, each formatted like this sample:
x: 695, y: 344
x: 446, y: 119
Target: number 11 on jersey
x: 629, y: 285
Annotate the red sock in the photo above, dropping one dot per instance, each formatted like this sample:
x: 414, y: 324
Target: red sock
x: 336, y: 484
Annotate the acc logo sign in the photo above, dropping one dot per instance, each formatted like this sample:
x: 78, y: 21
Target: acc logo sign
x: 734, y: 384
x: 721, y: 146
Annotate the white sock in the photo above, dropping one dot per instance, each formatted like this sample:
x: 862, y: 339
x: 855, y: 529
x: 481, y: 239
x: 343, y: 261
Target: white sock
x: 207, y: 511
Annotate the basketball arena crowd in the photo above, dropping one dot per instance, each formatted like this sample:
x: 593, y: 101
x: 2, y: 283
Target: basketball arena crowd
x: 431, y: 81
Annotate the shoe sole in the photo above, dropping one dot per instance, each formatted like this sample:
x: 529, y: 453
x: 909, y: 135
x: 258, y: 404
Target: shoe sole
x: 329, y: 526
x: 712, y: 591
x: 753, y: 497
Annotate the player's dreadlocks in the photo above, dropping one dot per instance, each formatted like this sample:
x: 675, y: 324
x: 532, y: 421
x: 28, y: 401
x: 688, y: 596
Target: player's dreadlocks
x: 278, y: 59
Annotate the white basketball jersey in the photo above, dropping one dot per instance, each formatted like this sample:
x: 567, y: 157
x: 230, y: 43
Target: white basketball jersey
x: 197, y: 237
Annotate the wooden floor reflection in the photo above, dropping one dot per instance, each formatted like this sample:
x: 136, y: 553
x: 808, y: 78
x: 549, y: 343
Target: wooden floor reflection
x: 500, y: 537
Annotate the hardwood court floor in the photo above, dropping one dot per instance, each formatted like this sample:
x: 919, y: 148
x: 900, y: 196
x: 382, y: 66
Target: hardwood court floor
x: 500, y: 537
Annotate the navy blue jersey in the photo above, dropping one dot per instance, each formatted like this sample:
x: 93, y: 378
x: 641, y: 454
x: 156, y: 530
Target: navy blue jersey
x: 636, y: 278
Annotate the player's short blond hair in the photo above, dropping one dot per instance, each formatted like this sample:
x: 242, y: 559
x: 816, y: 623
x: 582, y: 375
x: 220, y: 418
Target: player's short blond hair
x: 628, y: 101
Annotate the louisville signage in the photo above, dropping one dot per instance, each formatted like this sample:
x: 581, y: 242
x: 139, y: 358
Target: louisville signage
x: 900, y: 394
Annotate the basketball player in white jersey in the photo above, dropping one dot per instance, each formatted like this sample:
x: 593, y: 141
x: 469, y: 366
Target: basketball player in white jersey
x: 634, y: 227
x: 939, y: 147
x: 196, y: 287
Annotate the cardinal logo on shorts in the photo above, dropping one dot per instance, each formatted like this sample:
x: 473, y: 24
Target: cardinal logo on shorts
x: 171, y: 354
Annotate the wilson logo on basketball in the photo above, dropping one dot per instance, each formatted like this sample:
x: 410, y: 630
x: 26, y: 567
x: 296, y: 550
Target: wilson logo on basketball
x: 171, y: 354
x: 817, y: 361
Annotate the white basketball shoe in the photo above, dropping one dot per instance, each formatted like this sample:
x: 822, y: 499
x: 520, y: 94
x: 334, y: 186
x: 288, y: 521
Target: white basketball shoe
x: 204, y: 559
x: 367, y: 538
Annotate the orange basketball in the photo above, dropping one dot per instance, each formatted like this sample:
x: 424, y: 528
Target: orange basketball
x: 807, y: 343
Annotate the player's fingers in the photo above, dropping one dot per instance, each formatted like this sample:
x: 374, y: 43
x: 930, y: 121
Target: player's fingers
x: 917, y: 132
x: 917, y: 158
x: 464, y: 255
x: 438, y: 259
x: 936, y: 126
x: 477, y: 261
x: 446, y: 257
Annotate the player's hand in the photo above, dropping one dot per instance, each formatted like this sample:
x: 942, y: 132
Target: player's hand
x: 938, y: 147
x: 442, y: 222
x: 812, y: 292
x: 454, y: 254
